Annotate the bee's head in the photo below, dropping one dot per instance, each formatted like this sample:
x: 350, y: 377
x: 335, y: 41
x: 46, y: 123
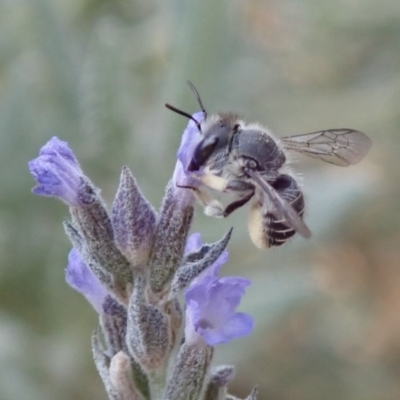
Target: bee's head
x: 217, y: 131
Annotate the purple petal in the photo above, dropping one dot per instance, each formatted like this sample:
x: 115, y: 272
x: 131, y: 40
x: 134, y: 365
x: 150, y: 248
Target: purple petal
x: 232, y: 288
x: 214, y: 269
x: 80, y: 277
x: 239, y: 325
x: 190, y: 139
x: 193, y: 243
x: 211, y: 310
x: 199, y: 291
x: 57, y: 172
x: 54, y: 146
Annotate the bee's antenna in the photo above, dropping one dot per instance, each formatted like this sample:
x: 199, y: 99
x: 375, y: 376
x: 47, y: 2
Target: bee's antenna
x: 185, y: 114
x: 196, y: 93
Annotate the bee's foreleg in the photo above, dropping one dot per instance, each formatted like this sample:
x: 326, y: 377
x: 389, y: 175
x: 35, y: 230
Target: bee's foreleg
x: 212, y: 207
x: 246, y: 192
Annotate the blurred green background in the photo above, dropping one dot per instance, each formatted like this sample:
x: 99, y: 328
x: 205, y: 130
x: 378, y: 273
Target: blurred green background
x: 97, y: 73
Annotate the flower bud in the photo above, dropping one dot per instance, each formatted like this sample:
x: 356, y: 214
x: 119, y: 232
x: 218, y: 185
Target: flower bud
x: 133, y: 220
x: 149, y: 335
x: 190, y: 370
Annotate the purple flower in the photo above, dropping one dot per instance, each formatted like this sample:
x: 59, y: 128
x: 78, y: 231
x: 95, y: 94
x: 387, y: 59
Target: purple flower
x: 210, y: 310
x: 57, y: 172
x: 211, y: 303
x: 81, y: 278
x: 190, y: 139
x: 193, y: 243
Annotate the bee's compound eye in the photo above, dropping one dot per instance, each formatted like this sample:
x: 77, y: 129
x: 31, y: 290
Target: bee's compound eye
x: 202, y: 152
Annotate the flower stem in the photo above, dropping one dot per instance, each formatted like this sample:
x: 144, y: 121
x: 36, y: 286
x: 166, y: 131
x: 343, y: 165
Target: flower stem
x: 157, y: 384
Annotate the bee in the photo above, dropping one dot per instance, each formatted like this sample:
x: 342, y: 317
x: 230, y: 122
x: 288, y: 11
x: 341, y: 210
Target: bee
x: 249, y: 162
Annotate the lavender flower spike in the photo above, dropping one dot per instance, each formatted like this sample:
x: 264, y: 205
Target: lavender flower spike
x: 57, y: 172
x: 210, y: 310
x: 80, y: 277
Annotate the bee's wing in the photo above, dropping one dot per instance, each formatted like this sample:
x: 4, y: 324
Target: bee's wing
x: 281, y: 205
x: 341, y: 147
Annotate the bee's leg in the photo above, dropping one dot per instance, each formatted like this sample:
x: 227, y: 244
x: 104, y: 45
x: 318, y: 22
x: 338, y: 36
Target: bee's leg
x: 246, y: 193
x: 230, y: 208
x: 212, y: 207
x: 204, y: 198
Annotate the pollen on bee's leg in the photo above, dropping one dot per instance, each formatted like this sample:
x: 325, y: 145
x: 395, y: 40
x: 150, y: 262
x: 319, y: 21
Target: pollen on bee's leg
x: 214, y: 209
x: 203, y: 197
x: 214, y: 182
x: 257, y: 228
